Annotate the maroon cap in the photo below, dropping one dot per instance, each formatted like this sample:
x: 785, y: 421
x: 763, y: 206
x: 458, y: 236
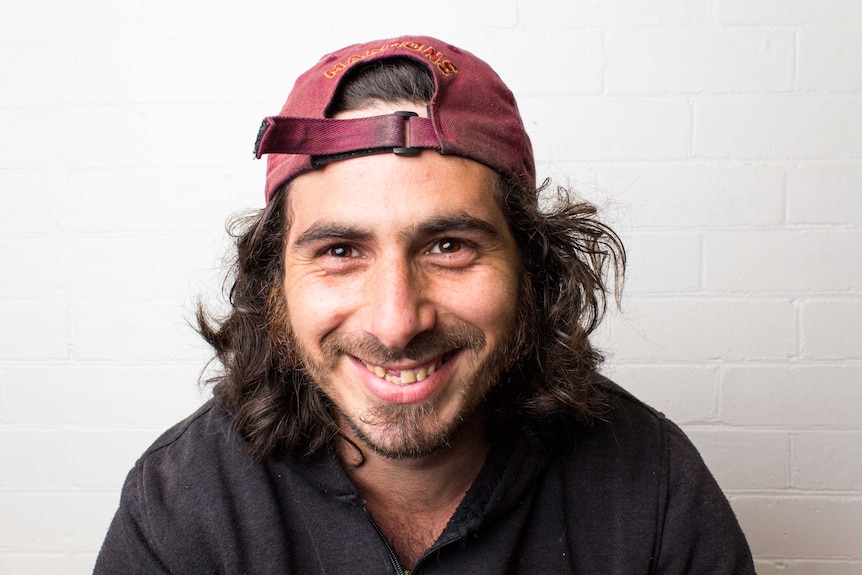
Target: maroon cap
x: 472, y: 114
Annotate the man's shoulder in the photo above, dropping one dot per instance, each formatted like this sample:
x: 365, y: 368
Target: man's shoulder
x: 626, y: 433
x: 620, y: 395
x: 207, y: 451
x: 630, y: 439
x: 204, y: 438
x: 631, y: 417
x: 622, y: 412
x: 191, y: 472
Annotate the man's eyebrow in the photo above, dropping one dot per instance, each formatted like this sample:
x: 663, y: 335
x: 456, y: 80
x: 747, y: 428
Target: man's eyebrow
x: 458, y: 223
x: 330, y: 231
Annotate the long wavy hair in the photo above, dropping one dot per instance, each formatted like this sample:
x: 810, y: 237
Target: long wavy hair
x: 572, y: 263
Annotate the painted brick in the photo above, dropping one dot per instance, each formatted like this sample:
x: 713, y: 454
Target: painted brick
x: 29, y: 23
x: 545, y: 14
x: 150, y: 71
x: 663, y: 263
x: 40, y: 330
x: 616, y: 13
x: 34, y: 458
x: 796, y: 397
x: 827, y: 461
x: 800, y: 12
x: 26, y: 274
x: 753, y: 128
x: 33, y: 564
x: 23, y: 133
x: 699, y: 60
x: 5, y: 408
x: 186, y: 20
x: 31, y: 208
x: 825, y: 56
x: 21, y: 87
x: 141, y: 268
x: 169, y: 135
x: 782, y: 567
x: 766, y: 456
x: 704, y: 330
x: 58, y: 21
x: 825, y: 193
x: 782, y: 261
x: 150, y: 330
x: 671, y: 195
x: 832, y: 329
x: 254, y: 79
x: 155, y: 201
x: 686, y: 394
x: 48, y: 522
x: 611, y: 14
x: 771, y: 568
x: 81, y: 563
x: 543, y: 64
x: 605, y: 128
x: 155, y: 395
x: 801, y: 527
x: 387, y: 19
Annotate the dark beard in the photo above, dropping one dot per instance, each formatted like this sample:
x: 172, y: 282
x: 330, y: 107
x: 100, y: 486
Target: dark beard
x: 406, y: 421
x: 412, y: 430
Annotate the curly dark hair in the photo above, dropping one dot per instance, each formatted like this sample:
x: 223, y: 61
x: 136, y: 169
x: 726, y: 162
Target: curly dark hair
x: 571, y: 262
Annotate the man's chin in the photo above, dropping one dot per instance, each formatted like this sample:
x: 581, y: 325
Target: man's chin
x: 409, y: 434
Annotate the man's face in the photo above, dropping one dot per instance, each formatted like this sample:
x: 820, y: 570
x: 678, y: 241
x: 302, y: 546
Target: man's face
x: 401, y: 283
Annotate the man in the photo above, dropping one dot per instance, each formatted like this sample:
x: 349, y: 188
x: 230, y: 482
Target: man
x: 408, y: 383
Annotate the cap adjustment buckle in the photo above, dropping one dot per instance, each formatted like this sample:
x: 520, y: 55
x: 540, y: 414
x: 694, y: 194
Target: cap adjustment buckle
x: 405, y: 150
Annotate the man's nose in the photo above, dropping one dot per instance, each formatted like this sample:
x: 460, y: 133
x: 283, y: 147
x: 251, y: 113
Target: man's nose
x: 399, y: 307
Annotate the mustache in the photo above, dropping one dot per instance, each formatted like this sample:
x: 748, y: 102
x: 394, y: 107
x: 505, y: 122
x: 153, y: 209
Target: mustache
x: 424, y: 347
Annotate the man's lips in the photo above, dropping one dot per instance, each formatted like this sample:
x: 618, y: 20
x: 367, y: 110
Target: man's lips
x: 395, y: 385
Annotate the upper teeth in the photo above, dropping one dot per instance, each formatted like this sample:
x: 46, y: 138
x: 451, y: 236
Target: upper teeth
x: 404, y: 376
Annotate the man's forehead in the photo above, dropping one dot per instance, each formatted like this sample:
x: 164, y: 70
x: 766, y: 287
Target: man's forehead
x: 400, y: 183
x: 360, y: 201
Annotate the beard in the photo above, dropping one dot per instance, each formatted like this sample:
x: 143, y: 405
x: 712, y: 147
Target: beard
x: 409, y: 431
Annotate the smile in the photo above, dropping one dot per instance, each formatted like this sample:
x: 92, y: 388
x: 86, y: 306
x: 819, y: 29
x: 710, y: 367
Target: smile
x: 404, y: 376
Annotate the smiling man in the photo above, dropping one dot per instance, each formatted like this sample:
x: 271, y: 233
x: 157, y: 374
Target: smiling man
x: 408, y: 380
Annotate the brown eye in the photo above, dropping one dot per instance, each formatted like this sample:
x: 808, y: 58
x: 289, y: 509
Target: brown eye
x: 446, y: 246
x: 341, y: 251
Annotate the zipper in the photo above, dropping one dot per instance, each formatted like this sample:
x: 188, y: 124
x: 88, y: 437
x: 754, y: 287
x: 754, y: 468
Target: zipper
x: 430, y: 551
x: 394, y: 558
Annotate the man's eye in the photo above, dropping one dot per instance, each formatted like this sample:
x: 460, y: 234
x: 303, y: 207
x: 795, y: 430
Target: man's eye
x: 446, y: 246
x: 341, y: 251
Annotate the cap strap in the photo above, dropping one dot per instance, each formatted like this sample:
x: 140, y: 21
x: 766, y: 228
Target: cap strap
x: 327, y: 136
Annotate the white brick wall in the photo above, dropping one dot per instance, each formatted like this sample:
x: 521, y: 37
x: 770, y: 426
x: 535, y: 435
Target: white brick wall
x: 724, y: 136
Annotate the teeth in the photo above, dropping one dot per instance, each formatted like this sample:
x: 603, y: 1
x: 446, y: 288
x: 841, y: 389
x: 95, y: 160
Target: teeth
x: 393, y: 379
x: 405, y: 376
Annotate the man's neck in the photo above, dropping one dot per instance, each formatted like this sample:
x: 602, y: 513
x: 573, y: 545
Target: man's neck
x: 412, y: 500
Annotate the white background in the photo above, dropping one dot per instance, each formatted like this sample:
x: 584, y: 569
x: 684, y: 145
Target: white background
x: 724, y: 138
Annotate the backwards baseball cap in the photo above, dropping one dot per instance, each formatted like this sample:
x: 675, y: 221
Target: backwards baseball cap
x: 471, y: 114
